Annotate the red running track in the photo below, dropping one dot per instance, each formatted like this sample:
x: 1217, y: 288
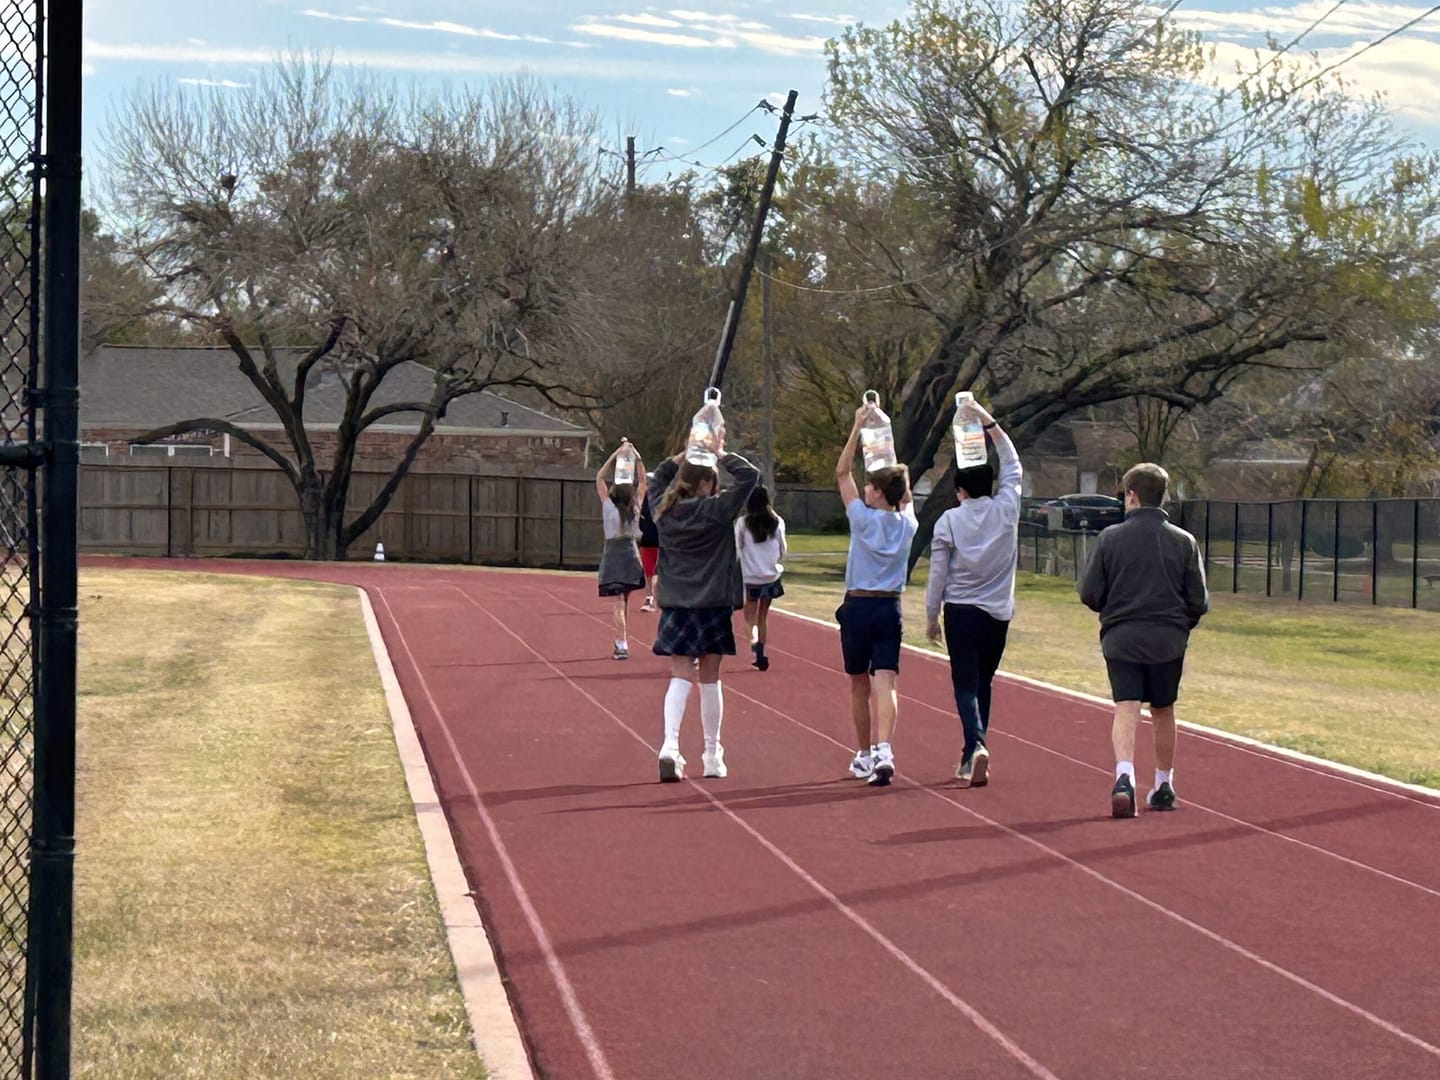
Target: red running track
x: 785, y: 922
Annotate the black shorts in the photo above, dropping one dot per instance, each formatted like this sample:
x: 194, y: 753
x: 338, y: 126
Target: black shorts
x: 869, y: 634
x: 1158, y: 684
x: 767, y: 590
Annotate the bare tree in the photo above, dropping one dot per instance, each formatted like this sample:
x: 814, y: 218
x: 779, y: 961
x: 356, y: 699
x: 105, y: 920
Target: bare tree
x: 374, y: 230
x: 1104, y: 223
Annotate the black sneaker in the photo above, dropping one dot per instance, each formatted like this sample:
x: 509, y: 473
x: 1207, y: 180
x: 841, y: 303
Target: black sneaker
x: 1162, y: 798
x: 1122, y: 798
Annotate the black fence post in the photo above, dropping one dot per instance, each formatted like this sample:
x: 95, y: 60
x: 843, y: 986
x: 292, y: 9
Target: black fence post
x: 1304, y: 527
x: 1374, y: 553
x: 1269, y: 542
x: 562, y: 524
x: 1415, y: 557
x: 470, y: 482
x: 1335, y: 557
x: 53, y: 843
x: 1235, y: 552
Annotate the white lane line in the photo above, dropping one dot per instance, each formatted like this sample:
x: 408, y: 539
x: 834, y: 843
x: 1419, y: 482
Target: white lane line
x: 576, y: 1013
x: 965, y: 1008
x: 492, y: 1021
x: 1316, y: 848
x: 1348, y: 774
x: 1125, y: 890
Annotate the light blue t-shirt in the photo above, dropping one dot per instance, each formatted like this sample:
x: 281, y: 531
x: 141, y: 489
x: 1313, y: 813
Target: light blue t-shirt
x: 879, y: 547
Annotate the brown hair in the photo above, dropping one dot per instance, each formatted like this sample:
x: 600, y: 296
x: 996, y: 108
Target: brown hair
x: 688, y: 479
x: 623, y: 496
x: 1149, y: 482
x: 892, y: 482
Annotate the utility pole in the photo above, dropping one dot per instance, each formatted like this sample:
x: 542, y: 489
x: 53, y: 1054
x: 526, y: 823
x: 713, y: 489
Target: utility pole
x: 767, y: 386
x: 737, y: 305
x: 629, y: 165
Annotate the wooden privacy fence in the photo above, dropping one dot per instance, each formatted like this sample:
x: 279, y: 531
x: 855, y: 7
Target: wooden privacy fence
x: 433, y: 517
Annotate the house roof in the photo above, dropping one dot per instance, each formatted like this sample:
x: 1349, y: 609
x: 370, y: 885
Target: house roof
x: 142, y: 387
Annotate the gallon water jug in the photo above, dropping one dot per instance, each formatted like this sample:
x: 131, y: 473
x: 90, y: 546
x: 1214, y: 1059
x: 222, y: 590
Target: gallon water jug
x: 625, y: 463
x: 969, y: 435
x: 706, y: 428
x: 877, y: 438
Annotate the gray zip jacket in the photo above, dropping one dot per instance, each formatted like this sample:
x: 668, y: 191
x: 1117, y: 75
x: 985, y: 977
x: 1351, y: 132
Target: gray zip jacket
x: 1145, y: 579
x: 699, y: 566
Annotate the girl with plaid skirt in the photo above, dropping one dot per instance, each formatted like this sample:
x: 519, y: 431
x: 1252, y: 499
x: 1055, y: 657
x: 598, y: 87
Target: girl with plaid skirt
x: 699, y: 591
x: 620, y: 570
x: 760, y: 539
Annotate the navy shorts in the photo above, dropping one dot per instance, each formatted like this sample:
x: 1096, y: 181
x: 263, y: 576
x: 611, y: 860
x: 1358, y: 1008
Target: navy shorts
x: 869, y: 634
x: 1158, y: 684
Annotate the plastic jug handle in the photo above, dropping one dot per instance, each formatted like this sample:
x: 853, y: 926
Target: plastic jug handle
x: 870, y: 397
x: 712, y: 394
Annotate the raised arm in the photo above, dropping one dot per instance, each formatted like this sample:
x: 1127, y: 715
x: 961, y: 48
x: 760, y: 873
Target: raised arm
x: 1007, y: 488
x: 731, y: 502
x: 601, y: 488
x: 664, y: 474
x: 845, y: 466
x: 642, y: 484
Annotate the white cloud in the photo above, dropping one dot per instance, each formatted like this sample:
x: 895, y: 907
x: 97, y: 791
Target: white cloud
x: 382, y: 60
x: 702, y: 30
x: 87, y: 69
x: 1406, y: 71
x: 673, y: 92
x: 647, y: 20
x: 831, y: 20
x: 227, y: 84
x: 450, y: 28
x: 194, y: 41
x: 651, y: 37
x: 1352, y: 20
x: 334, y: 18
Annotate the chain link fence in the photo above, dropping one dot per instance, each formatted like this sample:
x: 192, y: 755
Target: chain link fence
x: 19, y: 355
x: 1382, y: 552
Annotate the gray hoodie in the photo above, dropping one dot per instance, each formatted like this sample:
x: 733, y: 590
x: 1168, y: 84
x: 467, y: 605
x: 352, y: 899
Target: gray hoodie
x: 699, y: 566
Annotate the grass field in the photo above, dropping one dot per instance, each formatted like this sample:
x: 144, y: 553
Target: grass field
x: 1354, y: 684
x: 252, y: 898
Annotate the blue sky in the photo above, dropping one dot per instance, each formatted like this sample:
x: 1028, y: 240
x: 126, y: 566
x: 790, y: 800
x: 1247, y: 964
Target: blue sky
x: 672, y: 75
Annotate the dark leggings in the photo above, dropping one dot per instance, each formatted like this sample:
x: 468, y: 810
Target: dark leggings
x: 976, y: 641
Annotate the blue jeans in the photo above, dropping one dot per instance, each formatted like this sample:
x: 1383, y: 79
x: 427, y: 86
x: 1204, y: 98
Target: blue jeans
x: 976, y: 642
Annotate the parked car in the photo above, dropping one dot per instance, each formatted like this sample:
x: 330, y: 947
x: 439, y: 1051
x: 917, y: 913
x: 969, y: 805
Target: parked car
x: 1089, y: 513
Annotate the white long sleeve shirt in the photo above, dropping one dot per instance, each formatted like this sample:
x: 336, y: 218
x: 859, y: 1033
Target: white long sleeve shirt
x: 972, y: 552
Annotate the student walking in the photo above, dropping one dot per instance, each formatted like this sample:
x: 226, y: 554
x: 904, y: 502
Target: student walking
x: 882, y: 526
x: 760, y: 539
x: 620, y: 570
x: 649, y: 551
x: 1146, y: 581
x: 972, y: 573
x: 700, y: 589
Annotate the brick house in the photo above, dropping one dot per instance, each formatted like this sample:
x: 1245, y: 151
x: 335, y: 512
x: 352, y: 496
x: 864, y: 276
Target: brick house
x: 126, y: 391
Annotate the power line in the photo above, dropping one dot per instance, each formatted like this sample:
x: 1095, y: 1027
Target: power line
x: 662, y: 156
x: 854, y: 292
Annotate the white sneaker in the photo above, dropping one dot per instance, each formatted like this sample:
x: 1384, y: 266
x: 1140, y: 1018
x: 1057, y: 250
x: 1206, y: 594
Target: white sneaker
x: 884, y: 765
x: 715, y: 763
x: 672, y: 765
x: 862, y: 765
x: 980, y: 767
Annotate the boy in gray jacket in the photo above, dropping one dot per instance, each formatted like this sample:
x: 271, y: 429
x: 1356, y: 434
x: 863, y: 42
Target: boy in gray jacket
x: 1145, y: 579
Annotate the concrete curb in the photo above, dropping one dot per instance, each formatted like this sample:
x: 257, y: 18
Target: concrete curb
x: 492, y: 1023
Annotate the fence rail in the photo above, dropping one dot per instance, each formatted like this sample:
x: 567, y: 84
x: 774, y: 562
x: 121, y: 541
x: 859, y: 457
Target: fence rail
x: 434, y: 517
x: 1383, y: 552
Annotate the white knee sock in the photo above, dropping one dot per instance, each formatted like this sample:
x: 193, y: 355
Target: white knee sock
x: 712, y: 710
x: 675, y: 699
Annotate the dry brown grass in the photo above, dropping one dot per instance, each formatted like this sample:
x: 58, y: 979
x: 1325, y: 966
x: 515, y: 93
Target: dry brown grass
x: 251, y: 892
